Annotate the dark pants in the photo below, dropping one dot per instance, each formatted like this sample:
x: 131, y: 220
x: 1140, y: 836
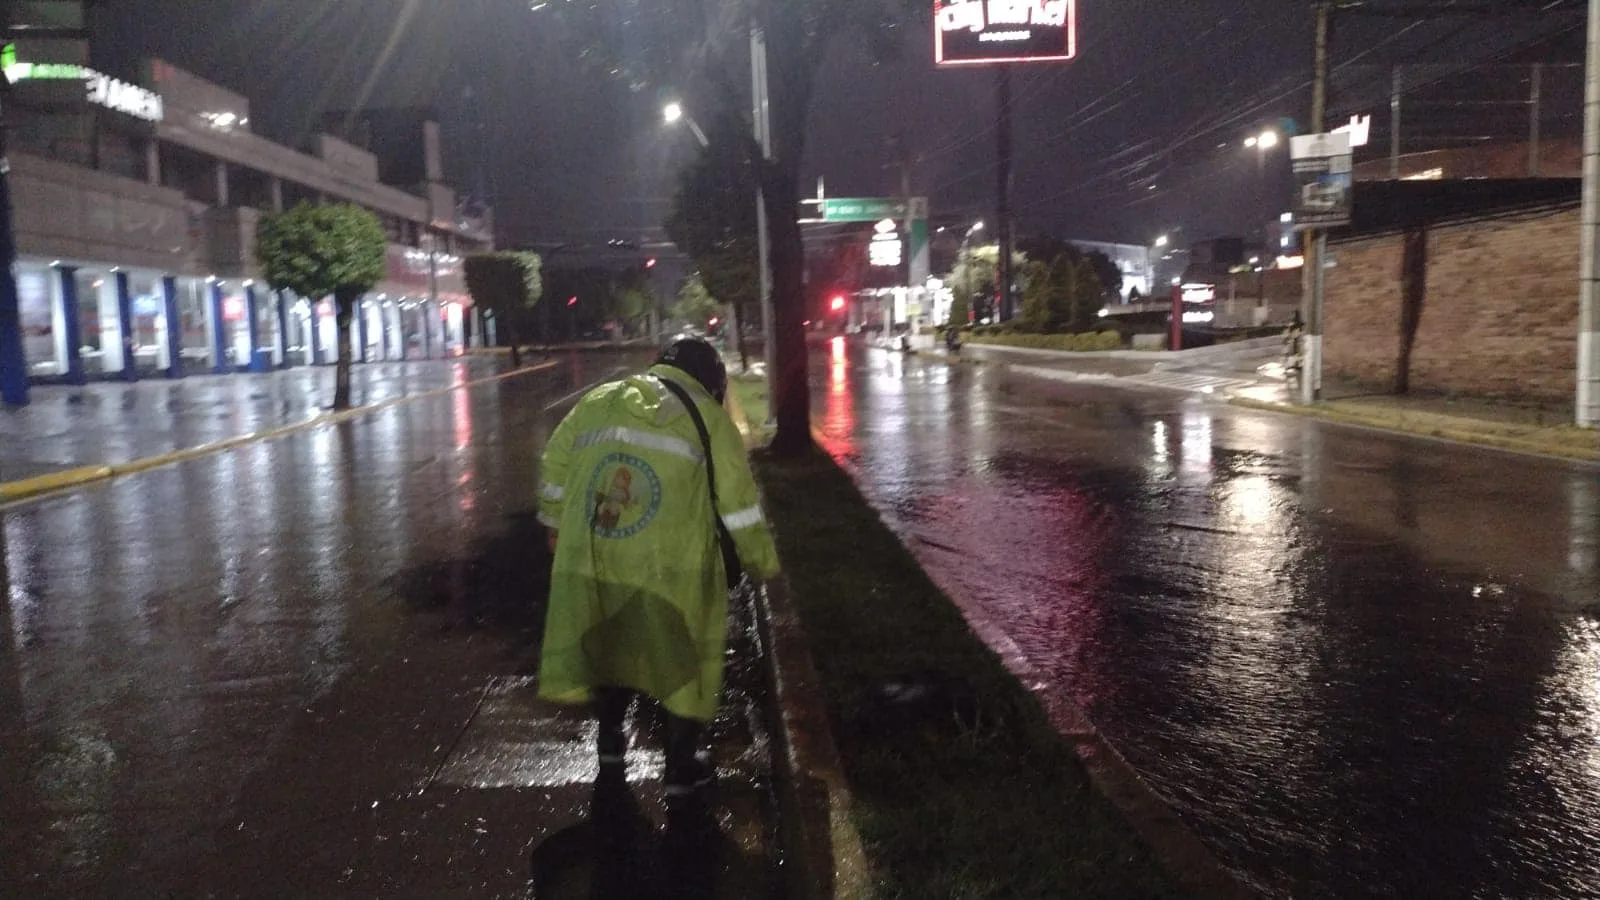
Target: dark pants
x: 682, y: 738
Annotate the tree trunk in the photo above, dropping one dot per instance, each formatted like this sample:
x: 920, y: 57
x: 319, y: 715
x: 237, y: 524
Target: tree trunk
x: 786, y: 252
x: 341, y: 372
x: 342, y: 308
x: 511, y: 338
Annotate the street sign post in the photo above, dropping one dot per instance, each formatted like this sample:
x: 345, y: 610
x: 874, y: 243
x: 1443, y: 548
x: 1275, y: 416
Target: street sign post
x: 863, y: 209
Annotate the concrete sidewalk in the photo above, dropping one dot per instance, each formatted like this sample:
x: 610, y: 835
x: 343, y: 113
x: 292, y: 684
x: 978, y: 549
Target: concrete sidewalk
x: 1521, y: 428
x: 1250, y: 374
x: 112, y: 423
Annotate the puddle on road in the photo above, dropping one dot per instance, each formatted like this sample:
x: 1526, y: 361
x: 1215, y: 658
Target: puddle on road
x: 1351, y: 680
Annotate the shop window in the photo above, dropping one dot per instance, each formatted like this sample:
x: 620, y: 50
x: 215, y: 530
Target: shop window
x: 149, y: 323
x: 44, y: 339
x: 194, y: 311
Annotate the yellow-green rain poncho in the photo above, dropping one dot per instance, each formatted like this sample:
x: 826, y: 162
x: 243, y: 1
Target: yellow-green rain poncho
x: 638, y: 595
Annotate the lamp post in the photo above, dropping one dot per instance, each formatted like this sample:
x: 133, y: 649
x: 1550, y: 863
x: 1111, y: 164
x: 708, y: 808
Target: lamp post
x: 966, y: 270
x: 1263, y: 144
x: 673, y: 113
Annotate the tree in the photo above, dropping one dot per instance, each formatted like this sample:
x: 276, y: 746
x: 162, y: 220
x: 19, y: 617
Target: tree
x: 585, y: 292
x: 713, y: 220
x: 633, y: 296
x: 668, y: 43
x: 1107, y: 273
x: 695, y: 304
x: 507, y: 285
x: 1038, y: 301
x: 960, y: 310
x: 1085, y: 295
x: 317, y: 250
x: 1061, y: 292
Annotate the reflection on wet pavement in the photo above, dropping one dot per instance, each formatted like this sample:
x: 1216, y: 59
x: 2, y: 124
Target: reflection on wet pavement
x: 261, y: 673
x: 1356, y: 664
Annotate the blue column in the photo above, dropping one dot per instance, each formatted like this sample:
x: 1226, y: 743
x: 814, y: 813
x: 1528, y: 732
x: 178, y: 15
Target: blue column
x: 13, y: 358
x: 256, y: 362
x: 169, y: 296
x: 316, y: 333
x: 361, y: 329
x: 219, y: 332
x: 69, y: 316
x: 130, y: 369
x: 283, y: 328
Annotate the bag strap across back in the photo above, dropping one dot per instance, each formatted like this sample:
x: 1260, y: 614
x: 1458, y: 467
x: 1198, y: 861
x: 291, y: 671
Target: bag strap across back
x: 730, y: 555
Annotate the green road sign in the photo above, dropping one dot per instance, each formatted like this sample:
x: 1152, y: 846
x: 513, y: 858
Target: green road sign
x: 862, y: 209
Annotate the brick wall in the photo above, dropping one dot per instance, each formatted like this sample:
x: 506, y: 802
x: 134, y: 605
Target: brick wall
x: 1500, y: 317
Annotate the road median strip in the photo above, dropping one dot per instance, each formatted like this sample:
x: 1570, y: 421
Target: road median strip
x: 55, y: 482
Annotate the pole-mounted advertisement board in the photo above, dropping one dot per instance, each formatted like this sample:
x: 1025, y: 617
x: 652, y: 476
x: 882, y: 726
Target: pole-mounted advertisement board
x: 1323, y: 179
x: 974, y: 32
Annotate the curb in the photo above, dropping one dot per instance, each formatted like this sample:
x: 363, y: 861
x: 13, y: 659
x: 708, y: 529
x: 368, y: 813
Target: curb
x: 1423, y: 429
x: 822, y: 853
x: 55, y: 482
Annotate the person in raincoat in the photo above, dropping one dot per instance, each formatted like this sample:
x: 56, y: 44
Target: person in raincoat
x: 639, y: 587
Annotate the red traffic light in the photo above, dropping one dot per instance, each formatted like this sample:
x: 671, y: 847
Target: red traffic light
x: 837, y: 303
x: 714, y: 321
x: 650, y: 263
x: 573, y: 301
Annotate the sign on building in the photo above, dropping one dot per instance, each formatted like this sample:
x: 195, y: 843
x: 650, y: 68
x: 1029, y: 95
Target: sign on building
x: 973, y: 32
x: 1322, y: 174
x: 99, y: 88
x: 886, y: 248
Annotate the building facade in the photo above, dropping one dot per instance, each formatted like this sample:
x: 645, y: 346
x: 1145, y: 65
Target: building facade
x: 135, y: 214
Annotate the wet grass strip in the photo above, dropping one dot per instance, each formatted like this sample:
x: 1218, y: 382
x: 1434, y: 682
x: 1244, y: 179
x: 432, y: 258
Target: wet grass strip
x: 963, y: 790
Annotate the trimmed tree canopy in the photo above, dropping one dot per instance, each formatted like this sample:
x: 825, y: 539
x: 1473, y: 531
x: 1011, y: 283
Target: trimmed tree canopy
x: 505, y: 282
x: 317, y: 250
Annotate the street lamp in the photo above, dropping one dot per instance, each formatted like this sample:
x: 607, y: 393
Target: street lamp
x: 1162, y: 241
x: 1262, y: 143
x: 673, y: 113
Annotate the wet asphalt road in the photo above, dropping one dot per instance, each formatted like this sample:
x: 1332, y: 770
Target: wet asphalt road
x: 248, y: 675
x: 1357, y: 664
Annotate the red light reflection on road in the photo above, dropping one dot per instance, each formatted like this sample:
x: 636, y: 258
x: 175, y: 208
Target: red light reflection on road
x: 461, y: 415
x: 838, y: 429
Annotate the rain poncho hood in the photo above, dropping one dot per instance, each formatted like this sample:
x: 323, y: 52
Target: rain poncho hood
x: 638, y: 595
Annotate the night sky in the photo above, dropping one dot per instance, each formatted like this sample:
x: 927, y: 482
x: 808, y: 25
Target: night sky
x: 1137, y: 137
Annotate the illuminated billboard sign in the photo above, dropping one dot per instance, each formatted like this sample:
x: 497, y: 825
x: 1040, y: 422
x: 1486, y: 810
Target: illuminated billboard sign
x: 972, y: 32
x: 100, y: 89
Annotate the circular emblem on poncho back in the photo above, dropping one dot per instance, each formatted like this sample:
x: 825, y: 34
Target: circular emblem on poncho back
x: 624, y: 495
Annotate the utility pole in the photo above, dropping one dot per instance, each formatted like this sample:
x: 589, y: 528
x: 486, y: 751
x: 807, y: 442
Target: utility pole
x: 1588, y: 400
x: 1535, y: 116
x: 1316, y: 239
x: 1003, y: 197
x: 761, y: 115
x: 1394, y: 124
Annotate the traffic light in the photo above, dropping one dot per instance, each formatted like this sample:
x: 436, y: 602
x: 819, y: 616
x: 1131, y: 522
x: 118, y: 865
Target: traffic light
x: 837, y: 303
x: 650, y: 263
x: 573, y: 300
